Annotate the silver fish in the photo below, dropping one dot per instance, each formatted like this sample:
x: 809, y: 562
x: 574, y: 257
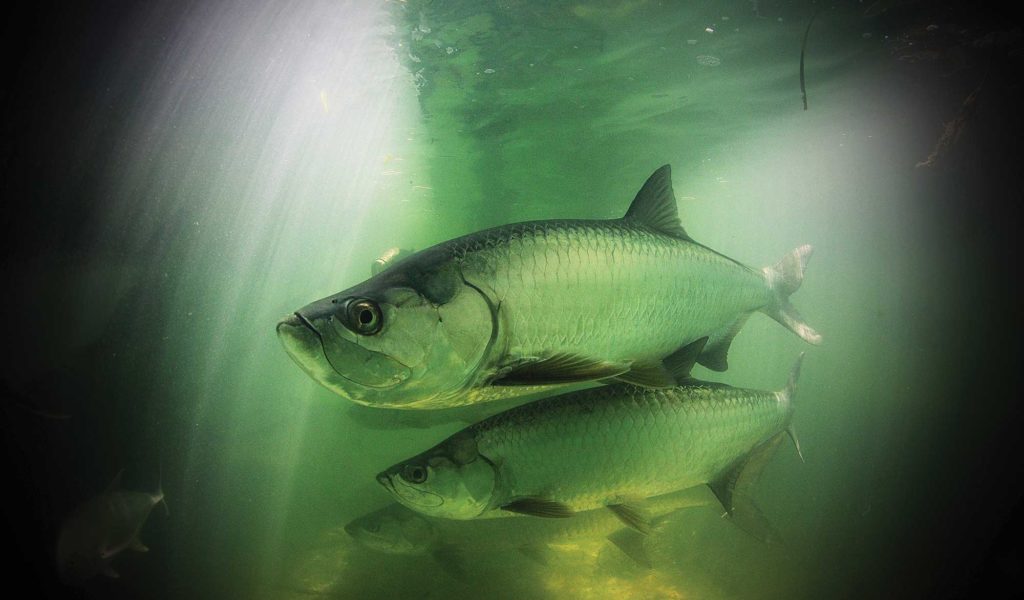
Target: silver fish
x: 101, y: 528
x: 607, y: 446
x: 534, y: 306
x: 395, y: 529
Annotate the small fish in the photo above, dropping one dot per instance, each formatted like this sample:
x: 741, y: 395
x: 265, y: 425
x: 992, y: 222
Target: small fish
x: 395, y: 529
x: 533, y: 307
x: 608, y: 446
x: 100, y: 529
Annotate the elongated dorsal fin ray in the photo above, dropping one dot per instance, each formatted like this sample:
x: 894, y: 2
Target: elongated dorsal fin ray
x: 655, y: 205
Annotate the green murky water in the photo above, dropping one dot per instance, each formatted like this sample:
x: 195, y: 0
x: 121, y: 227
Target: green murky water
x: 229, y: 162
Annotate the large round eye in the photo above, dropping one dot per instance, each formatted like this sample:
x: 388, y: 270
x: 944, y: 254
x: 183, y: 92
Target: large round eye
x: 414, y: 474
x: 364, y: 317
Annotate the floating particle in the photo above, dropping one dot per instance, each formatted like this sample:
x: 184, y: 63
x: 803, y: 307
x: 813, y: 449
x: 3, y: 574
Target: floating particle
x: 449, y: 50
x: 709, y: 29
x: 488, y: 71
x: 691, y: 42
x: 708, y: 61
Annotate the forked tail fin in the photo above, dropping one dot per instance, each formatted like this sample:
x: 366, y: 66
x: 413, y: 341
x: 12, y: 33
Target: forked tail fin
x: 784, y: 278
x: 788, y: 394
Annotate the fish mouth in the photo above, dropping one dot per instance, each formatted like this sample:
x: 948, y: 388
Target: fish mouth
x: 385, y: 480
x: 335, y: 359
x: 408, y: 495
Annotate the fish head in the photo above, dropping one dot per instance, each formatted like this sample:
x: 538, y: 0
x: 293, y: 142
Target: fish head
x: 393, y: 529
x: 452, y: 480
x: 412, y: 336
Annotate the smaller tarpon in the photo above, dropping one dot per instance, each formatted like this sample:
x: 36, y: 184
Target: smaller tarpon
x: 608, y: 446
x: 395, y: 529
x: 101, y: 528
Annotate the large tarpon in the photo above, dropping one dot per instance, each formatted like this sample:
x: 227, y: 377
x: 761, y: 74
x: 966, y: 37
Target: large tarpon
x: 530, y: 306
x: 606, y: 446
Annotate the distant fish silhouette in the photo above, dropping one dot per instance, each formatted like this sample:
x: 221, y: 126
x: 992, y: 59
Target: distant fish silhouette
x: 101, y: 528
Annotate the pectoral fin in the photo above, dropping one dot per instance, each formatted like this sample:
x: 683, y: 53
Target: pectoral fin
x: 539, y: 507
x: 733, y: 488
x: 631, y: 543
x: 560, y: 368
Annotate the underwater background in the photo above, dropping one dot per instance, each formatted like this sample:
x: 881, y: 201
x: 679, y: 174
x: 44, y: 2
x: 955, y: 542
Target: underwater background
x: 178, y: 176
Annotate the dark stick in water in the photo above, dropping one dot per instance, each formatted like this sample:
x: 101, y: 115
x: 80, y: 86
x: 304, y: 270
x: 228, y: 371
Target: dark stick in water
x: 803, y: 49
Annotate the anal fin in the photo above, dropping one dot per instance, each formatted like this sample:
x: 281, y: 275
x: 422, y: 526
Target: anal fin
x: 670, y: 371
x: 632, y: 516
x: 716, y: 354
x: 733, y: 488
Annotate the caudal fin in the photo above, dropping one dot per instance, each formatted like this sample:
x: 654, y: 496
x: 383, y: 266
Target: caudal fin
x: 784, y: 278
x: 788, y: 395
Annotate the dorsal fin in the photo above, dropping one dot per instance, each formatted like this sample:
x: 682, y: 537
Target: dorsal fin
x: 655, y: 205
x: 115, y: 485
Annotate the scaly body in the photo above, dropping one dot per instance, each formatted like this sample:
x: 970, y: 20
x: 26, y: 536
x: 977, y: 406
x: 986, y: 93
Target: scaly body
x: 605, y: 446
x: 533, y: 306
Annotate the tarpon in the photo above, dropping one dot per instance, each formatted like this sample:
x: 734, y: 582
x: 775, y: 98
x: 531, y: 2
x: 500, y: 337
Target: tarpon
x: 607, y: 446
x: 395, y: 529
x: 101, y: 528
x: 533, y: 306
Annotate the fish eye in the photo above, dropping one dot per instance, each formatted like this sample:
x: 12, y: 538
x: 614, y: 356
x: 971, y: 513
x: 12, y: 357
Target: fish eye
x: 373, y: 527
x: 414, y: 474
x: 364, y: 317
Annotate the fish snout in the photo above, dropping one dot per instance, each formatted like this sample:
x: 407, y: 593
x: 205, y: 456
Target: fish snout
x: 384, y: 479
x: 294, y: 321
